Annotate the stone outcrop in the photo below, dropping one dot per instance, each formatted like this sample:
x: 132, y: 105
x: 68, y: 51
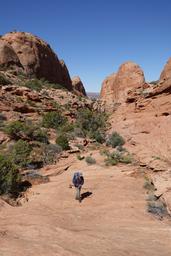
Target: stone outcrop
x: 116, y: 87
x: 36, y: 57
x: 78, y: 86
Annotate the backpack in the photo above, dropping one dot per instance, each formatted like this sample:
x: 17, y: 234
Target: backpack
x: 78, y: 179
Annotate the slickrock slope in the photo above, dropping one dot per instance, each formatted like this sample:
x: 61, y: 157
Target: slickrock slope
x: 144, y: 119
x: 37, y: 58
x: 112, y: 221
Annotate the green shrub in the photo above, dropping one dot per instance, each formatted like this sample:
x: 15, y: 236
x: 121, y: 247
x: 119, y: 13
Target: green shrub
x: 62, y: 141
x: 9, y: 176
x: 115, y: 140
x: 127, y: 159
x: 92, y: 124
x: 34, y: 84
x: 113, y: 158
x: 20, y: 153
x: 79, y: 157
x: 2, y: 119
x: 117, y: 157
x: 78, y: 132
x: 53, y: 120
x: 20, y: 130
x: 4, y: 80
x: 98, y: 136
x: 39, y: 135
x: 15, y: 129
x: 90, y: 160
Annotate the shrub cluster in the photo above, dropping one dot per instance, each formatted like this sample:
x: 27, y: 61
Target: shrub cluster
x: 4, y: 80
x: 22, y: 130
x: 92, y: 124
x: 117, y: 157
x: 39, y: 84
x: 53, y: 120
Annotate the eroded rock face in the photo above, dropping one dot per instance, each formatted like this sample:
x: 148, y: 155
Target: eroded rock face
x: 8, y: 57
x: 78, y: 86
x: 166, y: 73
x: 37, y: 58
x: 107, y: 90
x: 116, y: 87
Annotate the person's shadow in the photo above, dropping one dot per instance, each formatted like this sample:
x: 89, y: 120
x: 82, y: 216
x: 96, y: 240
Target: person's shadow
x: 85, y: 195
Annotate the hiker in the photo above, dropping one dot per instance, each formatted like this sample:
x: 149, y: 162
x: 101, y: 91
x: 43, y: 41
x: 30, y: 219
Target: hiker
x: 78, y: 181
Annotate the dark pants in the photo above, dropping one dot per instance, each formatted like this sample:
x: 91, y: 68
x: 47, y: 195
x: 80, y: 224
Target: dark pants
x: 78, y: 193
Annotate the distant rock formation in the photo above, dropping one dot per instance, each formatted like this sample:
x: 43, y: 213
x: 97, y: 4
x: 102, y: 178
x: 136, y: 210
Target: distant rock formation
x: 116, y: 87
x: 166, y: 73
x: 78, y: 86
x: 36, y: 57
x: 107, y: 90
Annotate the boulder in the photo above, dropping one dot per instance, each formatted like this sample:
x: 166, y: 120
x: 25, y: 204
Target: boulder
x: 116, y: 87
x: 37, y: 58
x: 78, y: 86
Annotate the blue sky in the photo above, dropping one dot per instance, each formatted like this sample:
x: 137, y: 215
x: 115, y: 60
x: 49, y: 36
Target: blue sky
x: 96, y: 37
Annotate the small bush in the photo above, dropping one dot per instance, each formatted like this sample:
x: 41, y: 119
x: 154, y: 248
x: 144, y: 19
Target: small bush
x: 62, y: 141
x: 90, y: 160
x: 34, y: 84
x: 127, y: 159
x: 53, y: 120
x: 148, y: 184
x: 15, y: 129
x: 117, y: 157
x: 157, y: 207
x: 98, y: 136
x: 113, y: 158
x: 20, y: 153
x: 40, y: 135
x: 2, y: 119
x: 25, y: 130
x: 78, y: 133
x: 80, y: 157
x: 4, y: 80
x: 9, y: 176
x: 115, y: 140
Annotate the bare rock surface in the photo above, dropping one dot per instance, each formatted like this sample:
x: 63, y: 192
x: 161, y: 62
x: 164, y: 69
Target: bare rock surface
x: 111, y: 221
